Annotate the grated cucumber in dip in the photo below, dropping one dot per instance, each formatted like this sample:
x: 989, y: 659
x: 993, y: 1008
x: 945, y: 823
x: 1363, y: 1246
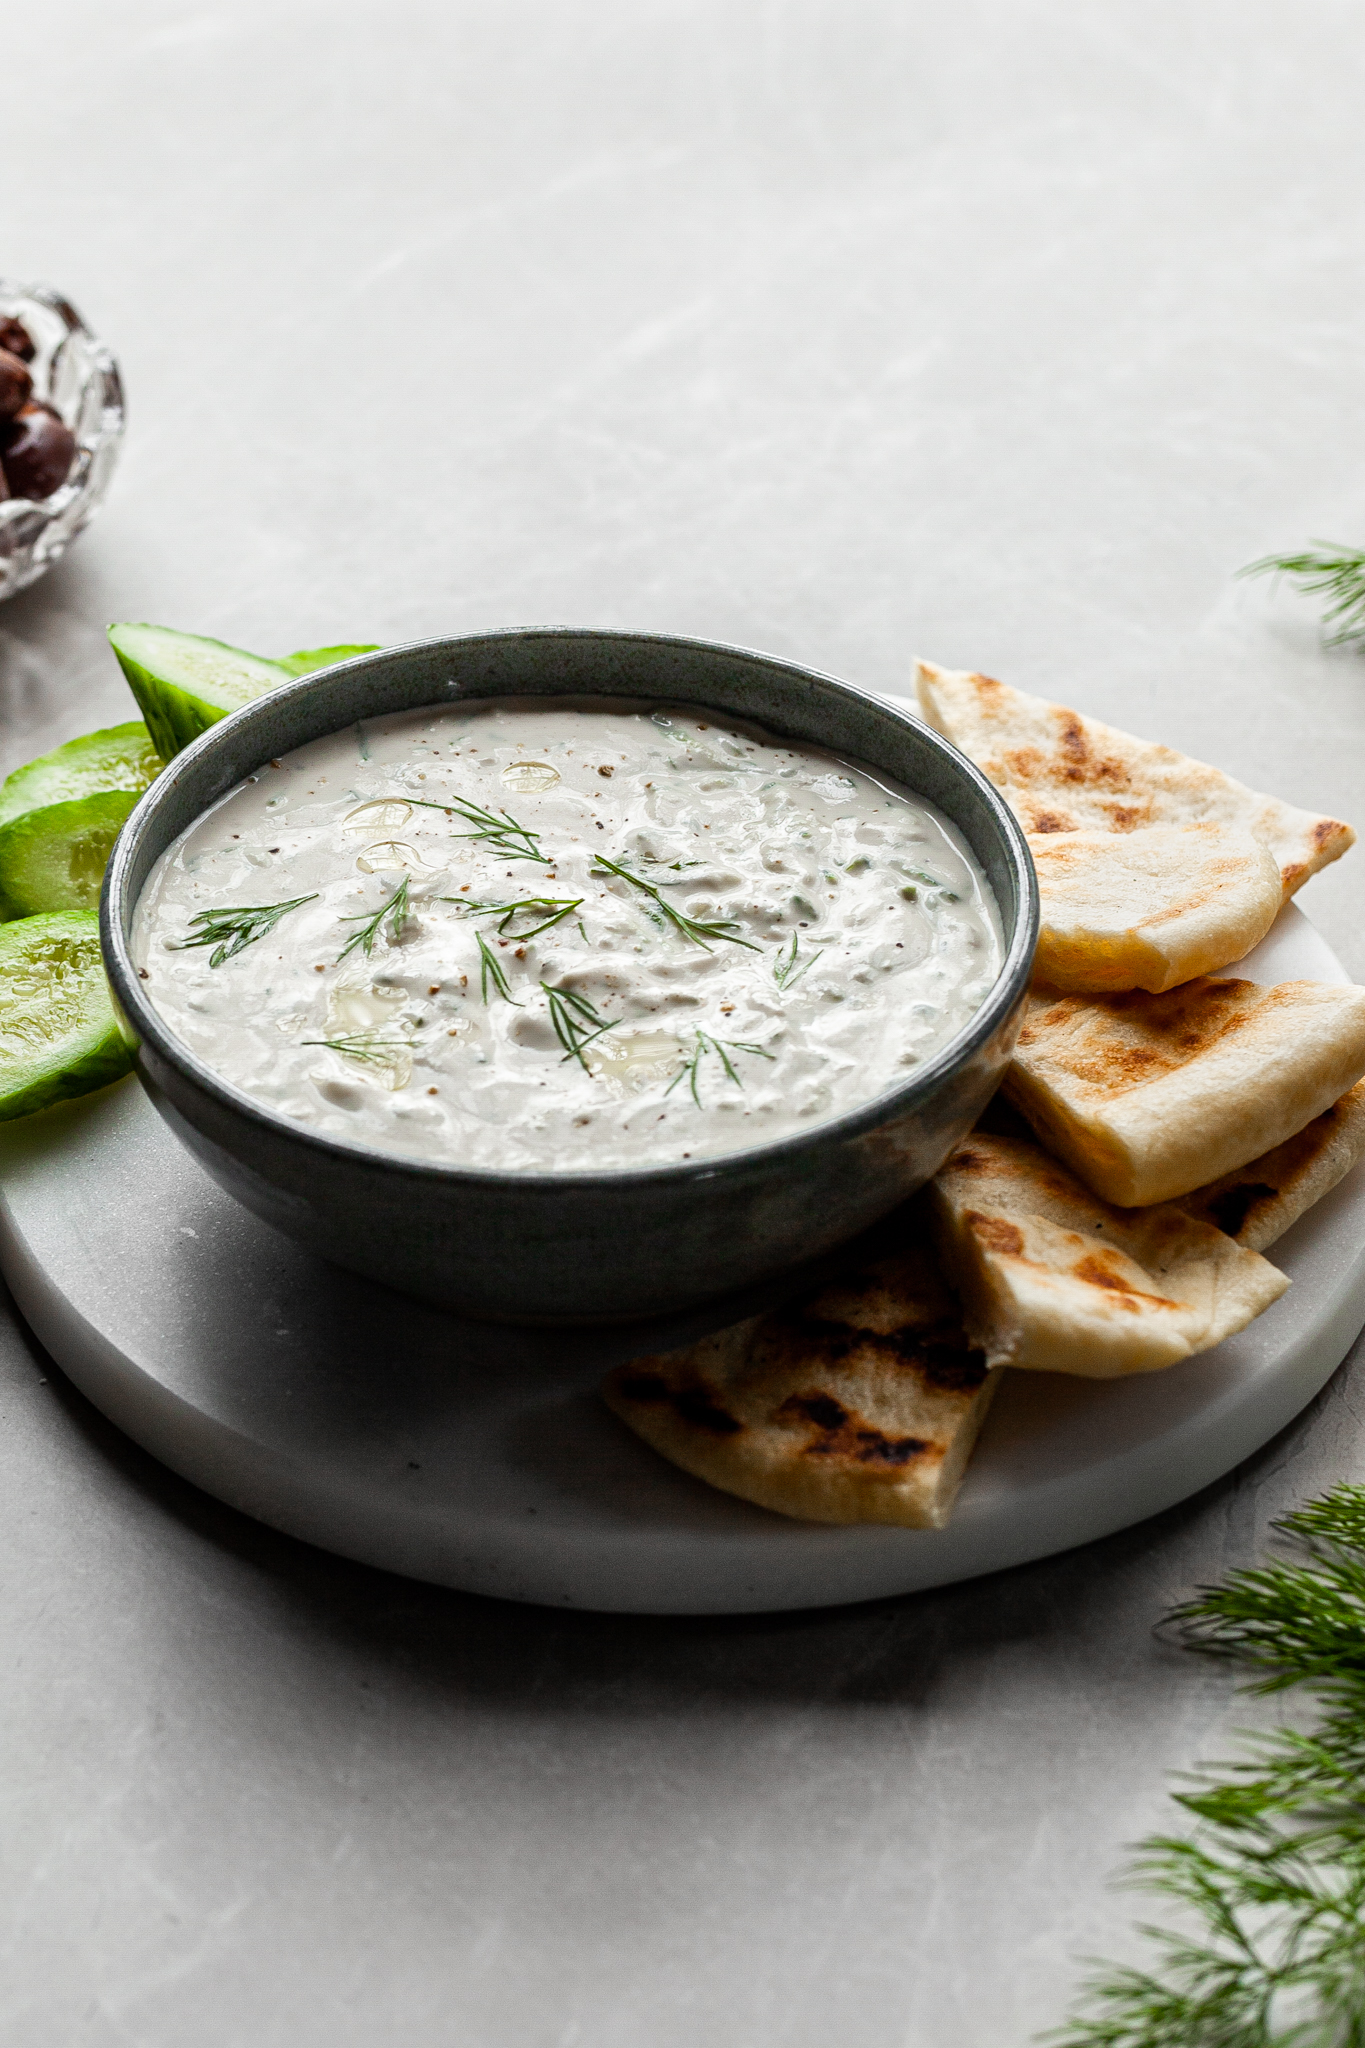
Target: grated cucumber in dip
x: 565, y: 935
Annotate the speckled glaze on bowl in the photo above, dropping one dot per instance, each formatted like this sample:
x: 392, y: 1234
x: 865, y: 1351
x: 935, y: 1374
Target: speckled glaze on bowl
x: 592, y: 1246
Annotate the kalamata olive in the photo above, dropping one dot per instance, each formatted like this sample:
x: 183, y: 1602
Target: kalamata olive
x: 16, y: 385
x: 36, y: 452
x: 15, y: 338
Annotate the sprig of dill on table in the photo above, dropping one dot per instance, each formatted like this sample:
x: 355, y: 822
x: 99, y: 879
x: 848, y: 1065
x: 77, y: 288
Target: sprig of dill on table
x: 229, y: 930
x: 576, y: 1022
x: 704, y: 1044
x: 1325, y: 569
x: 396, y: 909
x: 698, y: 930
x: 1273, y: 1871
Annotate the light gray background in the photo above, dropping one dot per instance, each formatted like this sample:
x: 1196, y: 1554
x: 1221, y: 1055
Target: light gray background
x: 999, y: 332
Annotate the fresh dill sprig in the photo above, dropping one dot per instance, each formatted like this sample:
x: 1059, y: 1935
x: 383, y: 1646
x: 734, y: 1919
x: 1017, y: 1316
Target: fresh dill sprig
x: 698, y: 930
x: 788, y: 967
x: 1325, y: 569
x: 228, y: 931
x: 1273, y: 1870
x: 500, y: 829
x: 576, y: 1022
x: 562, y: 907
x: 490, y: 969
x: 690, y: 1071
x: 370, y: 1046
x: 395, y: 909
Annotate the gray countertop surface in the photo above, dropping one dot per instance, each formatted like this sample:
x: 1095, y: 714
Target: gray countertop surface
x: 997, y: 333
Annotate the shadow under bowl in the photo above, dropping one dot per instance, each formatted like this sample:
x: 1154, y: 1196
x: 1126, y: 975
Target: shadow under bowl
x: 580, y: 1247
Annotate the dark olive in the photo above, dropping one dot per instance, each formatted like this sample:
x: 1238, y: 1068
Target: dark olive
x: 36, y: 452
x: 16, y: 339
x: 16, y: 385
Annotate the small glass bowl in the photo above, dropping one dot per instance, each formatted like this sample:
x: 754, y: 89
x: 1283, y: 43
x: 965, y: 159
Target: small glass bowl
x: 76, y: 375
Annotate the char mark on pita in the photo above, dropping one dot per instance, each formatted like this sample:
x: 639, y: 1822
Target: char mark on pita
x: 1258, y: 1202
x: 860, y: 1405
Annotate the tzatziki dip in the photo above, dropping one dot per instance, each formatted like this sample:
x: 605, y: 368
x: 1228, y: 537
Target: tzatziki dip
x: 545, y: 934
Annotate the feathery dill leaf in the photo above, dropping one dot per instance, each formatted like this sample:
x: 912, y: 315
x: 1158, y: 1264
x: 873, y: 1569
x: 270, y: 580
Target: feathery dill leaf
x: 789, y: 967
x: 698, y: 930
x: 576, y: 1022
x: 1325, y: 569
x: 228, y: 931
x: 1272, y: 1874
x: 490, y: 969
x: 704, y: 1044
x: 499, y: 829
x: 559, y: 906
x: 396, y: 909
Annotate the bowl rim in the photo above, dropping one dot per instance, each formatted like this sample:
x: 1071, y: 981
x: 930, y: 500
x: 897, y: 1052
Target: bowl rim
x: 117, y: 908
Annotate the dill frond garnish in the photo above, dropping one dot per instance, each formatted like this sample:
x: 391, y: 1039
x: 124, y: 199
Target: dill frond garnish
x: 490, y: 969
x: 698, y: 930
x: 500, y: 830
x: 228, y: 931
x: 395, y: 909
x: 1325, y: 569
x: 788, y: 967
x: 1273, y: 1871
x: 562, y: 907
x: 576, y: 1022
x: 690, y: 1071
x: 370, y: 1046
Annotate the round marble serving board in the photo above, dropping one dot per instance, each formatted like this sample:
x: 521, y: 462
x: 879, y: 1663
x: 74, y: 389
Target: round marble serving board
x: 478, y: 1456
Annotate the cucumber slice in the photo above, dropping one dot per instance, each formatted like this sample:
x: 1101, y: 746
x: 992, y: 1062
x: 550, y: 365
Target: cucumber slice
x: 321, y: 657
x: 120, y: 757
x: 58, y: 1033
x: 184, y: 684
x: 54, y: 859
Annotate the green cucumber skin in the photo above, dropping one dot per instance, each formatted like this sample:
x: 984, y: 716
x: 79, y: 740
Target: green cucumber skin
x: 39, y: 852
x: 173, y: 717
x: 176, y: 714
x: 310, y: 659
x: 119, y: 757
x: 91, y: 1054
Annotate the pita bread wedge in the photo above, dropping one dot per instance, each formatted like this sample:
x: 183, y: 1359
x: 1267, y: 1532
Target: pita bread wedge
x: 1258, y: 1202
x: 1152, y: 908
x: 1054, y: 1280
x: 1064, y: 773
x: 1149, y: 1097
x: 861, y: 1405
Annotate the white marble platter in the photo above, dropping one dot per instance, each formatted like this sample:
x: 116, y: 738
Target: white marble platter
x: 479, y: 1457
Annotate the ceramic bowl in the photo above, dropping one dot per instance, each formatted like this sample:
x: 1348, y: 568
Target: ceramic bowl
x: 591, y: 1246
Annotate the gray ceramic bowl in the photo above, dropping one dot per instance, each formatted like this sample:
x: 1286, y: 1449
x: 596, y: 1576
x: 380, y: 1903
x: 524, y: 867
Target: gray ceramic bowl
x: 578, y: 1247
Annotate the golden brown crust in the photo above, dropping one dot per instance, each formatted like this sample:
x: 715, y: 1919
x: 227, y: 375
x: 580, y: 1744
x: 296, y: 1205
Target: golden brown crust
x: 1054, y: 1280
x: 1061, y: 772
x: 1148, y: 1097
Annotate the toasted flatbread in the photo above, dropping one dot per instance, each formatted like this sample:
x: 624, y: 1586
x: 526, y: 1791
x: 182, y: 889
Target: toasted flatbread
x: 1054, y: 1280
x: 1149, y: 1097
x: 1258, y: 1202
x: 861, y: 1405
x: 1152, y: 908
x: 1064, y: 773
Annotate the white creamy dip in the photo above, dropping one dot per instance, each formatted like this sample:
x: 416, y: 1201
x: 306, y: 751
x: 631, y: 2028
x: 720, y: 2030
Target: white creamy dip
x: 721, y: 938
